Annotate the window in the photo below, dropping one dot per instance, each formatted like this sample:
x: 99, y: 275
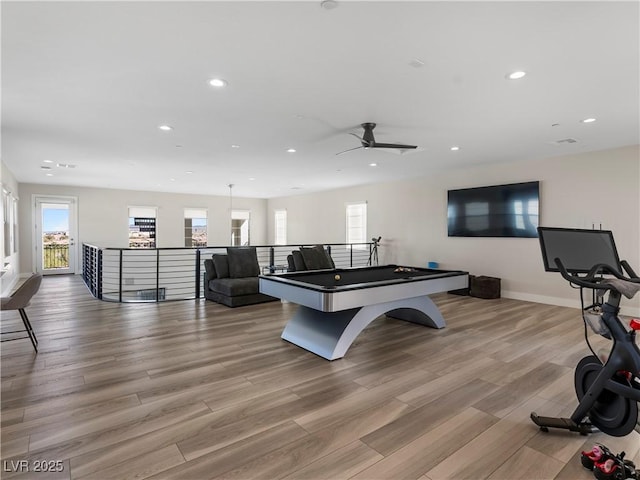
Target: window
x: 9, y: 224
x: 14, y: 225
x: 6, y: 223
x: 240, y: 227
x: 142, y: 227
x: 195, y: 227
x: 357, y: 224
x: 281, y: 227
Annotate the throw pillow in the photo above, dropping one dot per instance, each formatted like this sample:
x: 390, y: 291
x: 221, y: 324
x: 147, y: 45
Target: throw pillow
x: 326, y: 260
x: 243, y: 262
x: 315, y: 258
x: 298, y: 261
x: 222, y: 265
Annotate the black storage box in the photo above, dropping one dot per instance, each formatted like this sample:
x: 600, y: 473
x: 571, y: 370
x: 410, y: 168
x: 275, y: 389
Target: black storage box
x: 484, y: 287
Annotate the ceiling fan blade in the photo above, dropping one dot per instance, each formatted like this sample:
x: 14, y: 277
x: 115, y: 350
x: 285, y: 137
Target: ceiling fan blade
x: 393, y: 145
x: 365, y: 143
x: 349, y: 150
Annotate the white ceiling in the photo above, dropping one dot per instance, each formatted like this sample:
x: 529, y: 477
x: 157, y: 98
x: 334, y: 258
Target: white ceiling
x: 88, y: 84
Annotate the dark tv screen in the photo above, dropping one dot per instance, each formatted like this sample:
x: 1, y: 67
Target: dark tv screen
x: 577, y: 249
x: 496, y: 211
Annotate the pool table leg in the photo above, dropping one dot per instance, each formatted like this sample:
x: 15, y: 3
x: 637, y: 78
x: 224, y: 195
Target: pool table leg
x: 330, y: 334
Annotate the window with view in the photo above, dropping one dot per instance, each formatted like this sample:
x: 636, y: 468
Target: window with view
x: 281, y: 227
x: 195, y: 227
x: 357, y: 224
x: 142, y: 227
x: 240, y: 227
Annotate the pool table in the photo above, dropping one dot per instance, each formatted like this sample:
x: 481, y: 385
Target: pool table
x: 334, y: 306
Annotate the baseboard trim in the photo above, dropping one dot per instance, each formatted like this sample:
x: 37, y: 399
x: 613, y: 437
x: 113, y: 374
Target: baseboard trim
x: 562, y: 302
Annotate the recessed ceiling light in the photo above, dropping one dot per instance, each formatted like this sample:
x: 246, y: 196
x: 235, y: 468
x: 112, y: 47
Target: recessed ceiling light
x: 291, y: 150
x: 188, y: 172
x: 252, y: 178
x: 588, y: 120
x: 47, y: 161
x: 218, y: 82
x: 165, y: 128
x: 373, y: 164
x: 516, y: 75
x: 235, y: 146
x: 49, y: 174
x: 172, y: 179
x: 455, y: 148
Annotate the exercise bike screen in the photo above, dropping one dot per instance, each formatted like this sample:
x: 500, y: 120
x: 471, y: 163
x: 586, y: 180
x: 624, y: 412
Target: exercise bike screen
x: 579, y: 250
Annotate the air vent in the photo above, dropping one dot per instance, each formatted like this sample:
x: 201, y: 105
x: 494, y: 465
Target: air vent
x: 566, y: 140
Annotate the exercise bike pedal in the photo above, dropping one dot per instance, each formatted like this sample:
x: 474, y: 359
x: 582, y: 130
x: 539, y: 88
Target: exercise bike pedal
x: 615, y: 469
x: 583, y: 428
x: 597, y: 455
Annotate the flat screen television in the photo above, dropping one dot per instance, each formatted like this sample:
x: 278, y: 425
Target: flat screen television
x: 497, y: 211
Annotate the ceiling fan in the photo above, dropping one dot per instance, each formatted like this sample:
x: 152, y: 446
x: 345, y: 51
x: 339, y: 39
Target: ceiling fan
x: 368, y: 141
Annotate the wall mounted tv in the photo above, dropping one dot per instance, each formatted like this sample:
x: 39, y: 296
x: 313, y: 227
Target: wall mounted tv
x: 496, y: 211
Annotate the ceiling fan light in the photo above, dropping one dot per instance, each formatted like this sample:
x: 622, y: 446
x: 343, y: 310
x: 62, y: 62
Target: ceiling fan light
x: 329, y: 4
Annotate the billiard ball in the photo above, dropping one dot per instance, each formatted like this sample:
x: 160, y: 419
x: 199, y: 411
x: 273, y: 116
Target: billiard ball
x: 337, y: 277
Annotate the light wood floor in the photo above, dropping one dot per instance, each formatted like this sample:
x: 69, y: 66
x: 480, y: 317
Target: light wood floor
x: 195, y: 390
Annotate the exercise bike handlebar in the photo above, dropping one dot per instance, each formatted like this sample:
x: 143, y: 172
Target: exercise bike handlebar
x: 591, y: 279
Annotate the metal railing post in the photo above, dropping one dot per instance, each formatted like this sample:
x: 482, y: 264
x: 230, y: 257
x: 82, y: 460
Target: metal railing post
x: 198, y: 273
x: 99, y: 276
x: 272, y: 261
x: 157, y: 275
x: 120, y: 278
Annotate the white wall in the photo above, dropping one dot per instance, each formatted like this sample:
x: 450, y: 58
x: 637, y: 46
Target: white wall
x: 10, y: 268
x: 103, y: 216
x: 576, y: 191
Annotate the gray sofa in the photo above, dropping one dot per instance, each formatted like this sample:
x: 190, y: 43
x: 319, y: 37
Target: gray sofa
x: 232, y: 279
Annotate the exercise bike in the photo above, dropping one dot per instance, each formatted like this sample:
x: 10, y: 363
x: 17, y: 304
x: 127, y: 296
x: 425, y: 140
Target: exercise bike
x: 608, y: 390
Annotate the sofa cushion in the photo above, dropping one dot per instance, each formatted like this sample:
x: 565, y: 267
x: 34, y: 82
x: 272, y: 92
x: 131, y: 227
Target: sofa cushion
x: 243, y: 262
x: 298, y: 261
x: 232, y: 287
x: 222, y: 265
x: 316, y: 258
